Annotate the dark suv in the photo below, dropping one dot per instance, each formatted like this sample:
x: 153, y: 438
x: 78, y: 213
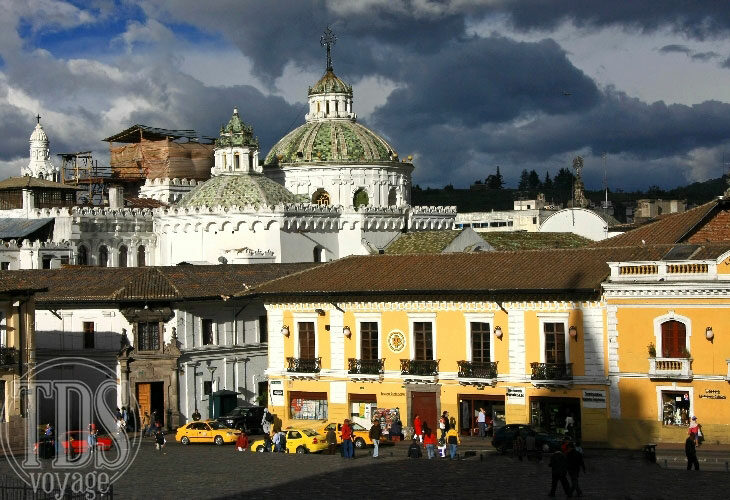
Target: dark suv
x: 245, y: 418
x: 505, y: 436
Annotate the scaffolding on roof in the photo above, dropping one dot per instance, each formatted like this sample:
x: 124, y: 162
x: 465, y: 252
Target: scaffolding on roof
x: 80, y: 169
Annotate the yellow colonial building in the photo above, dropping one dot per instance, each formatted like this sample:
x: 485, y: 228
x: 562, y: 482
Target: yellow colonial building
x: 532, y: 337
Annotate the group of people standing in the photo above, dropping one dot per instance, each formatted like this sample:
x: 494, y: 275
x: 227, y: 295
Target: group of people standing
x: 424, y: 435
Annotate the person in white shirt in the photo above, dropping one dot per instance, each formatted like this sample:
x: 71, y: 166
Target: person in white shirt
x: 482, y: 423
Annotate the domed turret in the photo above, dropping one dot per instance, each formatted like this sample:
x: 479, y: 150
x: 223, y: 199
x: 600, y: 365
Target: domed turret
x: 40, y: 165
x: 236, y: 149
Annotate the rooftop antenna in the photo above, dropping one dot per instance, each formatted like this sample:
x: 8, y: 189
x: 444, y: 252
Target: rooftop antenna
x: 605, y: 178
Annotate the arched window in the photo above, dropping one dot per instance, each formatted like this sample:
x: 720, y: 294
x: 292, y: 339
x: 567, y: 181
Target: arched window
x: 141, y: 256
x: 674, y: 338
x: 392, y: 197
x: 122, y: 256
x: 82, y: 257
x: 321, y: 197
x: 319, y: 254
x: 103, y: 256
x: 360, y: 198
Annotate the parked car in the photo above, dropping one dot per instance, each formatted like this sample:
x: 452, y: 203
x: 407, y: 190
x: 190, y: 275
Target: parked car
x: 206, y: 431
x: 244, y: 418
x: 504, y: 437
x: 298, y: 440
x: 360, y: 434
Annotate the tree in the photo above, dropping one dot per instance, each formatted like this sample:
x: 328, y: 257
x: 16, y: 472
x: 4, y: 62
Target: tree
x: 495, y: 181
x: 534, y: 181
x: 524, y: 183
x: 563, y: 185
x: 547, y: 184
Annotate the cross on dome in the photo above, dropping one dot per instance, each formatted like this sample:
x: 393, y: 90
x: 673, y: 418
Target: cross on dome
x: 38, y: 118
x: 328, y: 39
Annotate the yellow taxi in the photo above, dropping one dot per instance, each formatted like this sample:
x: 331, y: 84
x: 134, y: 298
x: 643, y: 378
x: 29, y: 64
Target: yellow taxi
x: 360, y: 434
x: 206, y: 431
x: 298, y: 440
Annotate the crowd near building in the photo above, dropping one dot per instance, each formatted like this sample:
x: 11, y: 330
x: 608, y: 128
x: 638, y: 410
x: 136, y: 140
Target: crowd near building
x: 306, y: 281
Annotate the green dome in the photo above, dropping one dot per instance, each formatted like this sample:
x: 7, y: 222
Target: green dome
x: 236, y: 134
x: 229, y: 190
x: 331, y: 141
x: 330, y: 83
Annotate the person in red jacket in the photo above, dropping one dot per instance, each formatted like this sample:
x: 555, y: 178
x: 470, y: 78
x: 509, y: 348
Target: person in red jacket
x: 429, y: 439
x: 242, y: 442
x: 418, y: 428
x: 348, y: 450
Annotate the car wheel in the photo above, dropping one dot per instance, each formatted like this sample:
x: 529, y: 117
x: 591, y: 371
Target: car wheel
x: 302, y: 450
x: 185, y: 440
x: 260, y: 449
x: 218, y: 440
x: 360, y: 443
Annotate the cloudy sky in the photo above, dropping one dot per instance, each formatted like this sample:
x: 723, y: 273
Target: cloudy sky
x: 462, y: 85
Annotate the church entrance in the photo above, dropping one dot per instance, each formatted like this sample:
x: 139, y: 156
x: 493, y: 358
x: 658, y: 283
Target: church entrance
x: 151, y: 399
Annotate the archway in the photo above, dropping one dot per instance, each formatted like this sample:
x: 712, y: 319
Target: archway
x: 103, y: 256
x: 123, y: 256
x: 393, y: 197
x: 82, y: 256
x: 141, y: 261
x: 360, y: 198
x: 321, y: 197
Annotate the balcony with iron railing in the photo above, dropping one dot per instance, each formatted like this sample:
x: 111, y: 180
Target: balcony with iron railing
x: 9, y: 359
x: 670, y: 368
x: 419, y: 367
x: 552, y: 373
x: 304, y: 365
x: 477, y: 370
x: 365, y: 366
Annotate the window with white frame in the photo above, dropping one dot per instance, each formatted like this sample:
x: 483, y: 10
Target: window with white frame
x: 672, y: 334
x: 423, y: 340
x: 554, y: 338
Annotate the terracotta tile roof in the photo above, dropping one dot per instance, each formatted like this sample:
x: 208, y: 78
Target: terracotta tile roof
x: 11, y: 284
x: 143, y: 203
x: 668, y: 229
x: 538, y: 272
x: 33, y: 182
x: 131, y: 284
x: 533, y: 241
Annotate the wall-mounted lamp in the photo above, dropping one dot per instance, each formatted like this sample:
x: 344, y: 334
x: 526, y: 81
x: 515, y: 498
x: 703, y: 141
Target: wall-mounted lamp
x: 347, y: 332
x: 319, y: 312
x: 285, y: 331
x: 573, y: 332
x: 498, y: 332
x: 709, y: 334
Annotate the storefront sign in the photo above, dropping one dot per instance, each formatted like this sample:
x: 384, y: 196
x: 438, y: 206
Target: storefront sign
x: 594, y: 399
x: 392, y: 393
x: 276, y: 393
x: 712, y: 394
x: 396, y: 341
x: 515, y: 395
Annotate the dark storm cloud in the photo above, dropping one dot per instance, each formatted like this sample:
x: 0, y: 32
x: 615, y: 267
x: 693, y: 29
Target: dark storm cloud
x: 683, y: 49
x: 15, y: 129
x: 668, y: 49
x: 698, y: 20
x: 705, y: 56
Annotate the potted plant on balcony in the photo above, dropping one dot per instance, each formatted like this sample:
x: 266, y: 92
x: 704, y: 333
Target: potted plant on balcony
x: 685, y: 353
x: 652, y: 350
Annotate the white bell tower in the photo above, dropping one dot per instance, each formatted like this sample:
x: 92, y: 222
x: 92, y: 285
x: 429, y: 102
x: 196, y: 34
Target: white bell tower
x: 40, y: 165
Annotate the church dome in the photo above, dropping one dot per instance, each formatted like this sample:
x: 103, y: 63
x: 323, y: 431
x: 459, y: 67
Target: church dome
x: 38, y: 135
x: 338, y: 141
x: 330, y: 83
x: 240, y: 190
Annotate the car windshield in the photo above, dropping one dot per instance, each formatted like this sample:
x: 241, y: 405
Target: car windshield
x: 309, y: 432
x: 358, y: 427
x: 235, y: 412
x: 216, y: 425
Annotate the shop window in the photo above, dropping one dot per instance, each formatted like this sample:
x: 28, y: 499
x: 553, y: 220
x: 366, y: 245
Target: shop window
x: 88, y: 334
x: 263, y: 329
x: 306, y: 340
x: 207, y: 329
x: 148, y: 336
x: 480, y: 340
x: 674, y: 335
x: 369, y: 340
x: 554, y: 343
x: 675, y: 408
x: 308, y: 405
x: 423, y: 340
x: 363, y: 408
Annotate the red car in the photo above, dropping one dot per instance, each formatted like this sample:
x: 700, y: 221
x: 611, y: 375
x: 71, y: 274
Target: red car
x: 79, y: 441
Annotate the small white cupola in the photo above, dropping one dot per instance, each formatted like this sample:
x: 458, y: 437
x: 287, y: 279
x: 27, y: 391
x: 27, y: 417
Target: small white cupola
x: 236, y: 149
x: 40, y: 165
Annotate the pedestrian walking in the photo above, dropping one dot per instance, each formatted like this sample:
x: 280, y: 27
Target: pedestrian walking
x: 482, y: 423
x: 159, y: 438
x: 266, y: 421
x: 346, y: 434
x: 91, y: 438
x: 145, y: 424
x: 559, y: 466
x: 444, y: 425
x: 396, y: 431
x: 519, y: 446
x: 242, y: 442
x: 452, y: 439
x: 331, y: 440
x: 569, y: 424
x: 691, y: 451
x: 375, y: 433
x: 575, y: 463
x: 418, y: 428
x: 414, y: 450
x: 282, y: 442
x: 120, y: 425
x: 429, y: 439
x: 694, y: 430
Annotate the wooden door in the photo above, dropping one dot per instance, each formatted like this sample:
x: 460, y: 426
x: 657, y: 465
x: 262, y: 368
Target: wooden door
x: 423, y: 404
x: 144, y: 399
x: 306, y: 340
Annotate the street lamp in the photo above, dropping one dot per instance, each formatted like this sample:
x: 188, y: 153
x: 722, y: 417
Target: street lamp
x: 211, y: 369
